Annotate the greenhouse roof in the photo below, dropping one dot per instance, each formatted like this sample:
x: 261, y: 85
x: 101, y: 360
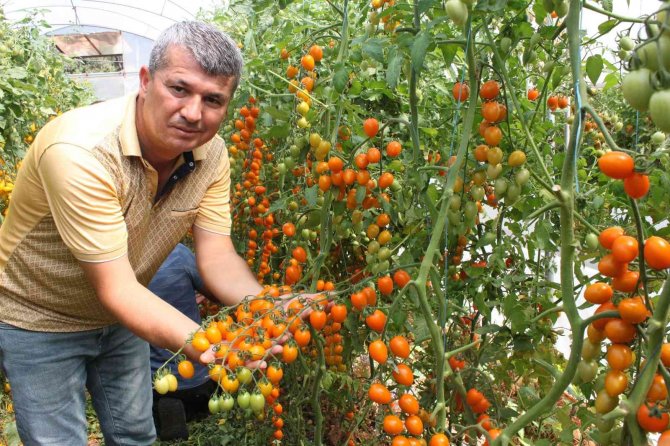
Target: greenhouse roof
x: 147, y: 18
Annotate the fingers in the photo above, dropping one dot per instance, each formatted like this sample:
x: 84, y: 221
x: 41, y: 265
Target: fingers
x: 208, y: 356
x: 256, y: 365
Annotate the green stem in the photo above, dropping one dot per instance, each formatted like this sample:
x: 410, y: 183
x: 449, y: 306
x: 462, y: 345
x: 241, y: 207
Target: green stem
x: 640, y: 244
x: 601, y: 126
x: 316, y: 394
x: 567, y: 250
x: 344, y: 44
x: 413, y: 99
x: 613, y: 15
x: 547, y: 207
x: 434, y: 245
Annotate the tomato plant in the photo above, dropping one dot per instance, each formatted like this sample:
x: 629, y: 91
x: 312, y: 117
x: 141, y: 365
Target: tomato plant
x: 449, y: 174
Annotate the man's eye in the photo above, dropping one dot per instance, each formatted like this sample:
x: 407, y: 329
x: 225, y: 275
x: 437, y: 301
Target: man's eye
x: 178, y: 89
x: 214, y: 101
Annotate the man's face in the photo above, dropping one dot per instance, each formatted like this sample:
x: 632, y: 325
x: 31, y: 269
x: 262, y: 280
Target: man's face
x: 180, y: 107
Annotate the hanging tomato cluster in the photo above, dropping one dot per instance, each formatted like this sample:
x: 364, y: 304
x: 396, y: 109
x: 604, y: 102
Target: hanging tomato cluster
x: 621, y: 166
x: 251, y: 194
x: 623, y: 295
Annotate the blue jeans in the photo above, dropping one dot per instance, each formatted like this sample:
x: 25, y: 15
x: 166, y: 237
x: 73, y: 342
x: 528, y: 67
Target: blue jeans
x: 49, y: 373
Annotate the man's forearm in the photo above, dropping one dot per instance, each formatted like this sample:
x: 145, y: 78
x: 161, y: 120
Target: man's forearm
x: 228, y: 278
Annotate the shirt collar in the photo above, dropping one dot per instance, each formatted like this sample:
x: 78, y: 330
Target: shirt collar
x: 130, y: 144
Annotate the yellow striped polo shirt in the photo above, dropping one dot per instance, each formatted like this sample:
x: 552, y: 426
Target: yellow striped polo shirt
x: 84, y: 193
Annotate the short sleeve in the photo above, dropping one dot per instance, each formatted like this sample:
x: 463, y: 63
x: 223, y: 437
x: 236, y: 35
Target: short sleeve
x: 84, y: 203
x: 214, y: 210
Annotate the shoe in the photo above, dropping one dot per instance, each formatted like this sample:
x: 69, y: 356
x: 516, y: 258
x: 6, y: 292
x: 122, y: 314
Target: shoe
x: 171, y: 419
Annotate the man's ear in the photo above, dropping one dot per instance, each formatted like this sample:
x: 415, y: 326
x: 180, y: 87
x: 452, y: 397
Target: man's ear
x: 145, y: 78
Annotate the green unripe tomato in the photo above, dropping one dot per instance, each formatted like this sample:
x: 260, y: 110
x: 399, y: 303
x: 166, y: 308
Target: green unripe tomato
x: 637, y: 89
x: 457, y: 11
x: 513, y: 193
x: 522, y: 176
x: 294, y: 150
x: 243, y: 399
x: 500, y: 187
x: 477, y: 193
x: 605, y: 403
x: 470, y: 210
x: 455, y: 202
x: 590, y: 351
x: 226, y: 403
x: 658, y: 138
x: 244, y: 375
x: 505, y: 44
x: 161, y: 385
x: 626, y: 43
x: 384, y: 254
x: 591, y: 241
x: 257, y: 402
x: 659, y: 109
x: 562, y: 8
x: 373, y: 247
x: 213, y: 405
x: 454, y: 217
x: 494, y: 172
x: 587, y: 370
x: 648, y: 54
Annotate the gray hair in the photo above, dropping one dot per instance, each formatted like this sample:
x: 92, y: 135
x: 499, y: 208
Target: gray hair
x: 215, y: 51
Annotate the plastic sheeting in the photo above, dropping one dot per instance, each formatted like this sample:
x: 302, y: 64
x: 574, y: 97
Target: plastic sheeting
x: 146, y: 18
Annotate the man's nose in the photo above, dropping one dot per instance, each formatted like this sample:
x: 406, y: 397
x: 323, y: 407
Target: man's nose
x: 192, y: 109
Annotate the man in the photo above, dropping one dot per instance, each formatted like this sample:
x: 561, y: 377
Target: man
x: 104, y: 194
x: 178, y: 283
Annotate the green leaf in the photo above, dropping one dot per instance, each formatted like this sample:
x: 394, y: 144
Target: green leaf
x: 374, y: 48
x: 594, y: 66
x: 310, y: 195
x: 340, y: 78
x: 17, y: 73
x: 360, y: 194
x: 421, y: 43
x: 278, y: 131
x: 542, y: 235
x: 611, y: 80
x: 491, y: 5
x: 282, y: 115
x: 607, y: 26
x: 449, y: 53
x: 429, y: 131
x: 425, y: 5
x: 394, y: 67
x: 486, y: 329
x: 539, y: 11
x: 608, y: 5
